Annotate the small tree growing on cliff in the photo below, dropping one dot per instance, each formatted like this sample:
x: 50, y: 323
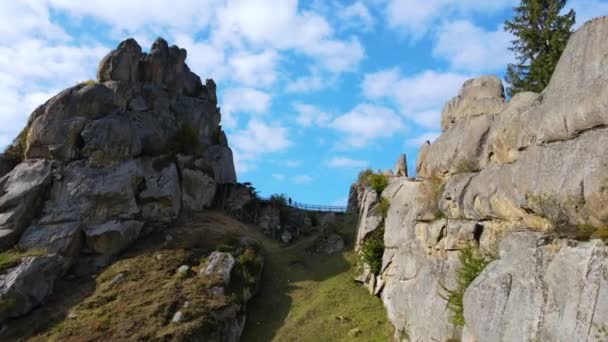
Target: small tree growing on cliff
x: 541, y: 37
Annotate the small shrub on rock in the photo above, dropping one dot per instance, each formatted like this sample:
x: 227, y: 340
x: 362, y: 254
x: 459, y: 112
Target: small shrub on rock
x: 186, y: 140
x: 378, y: 182
x: 472, y: 262
x: 382, y: 207
x: 364, y: 176
x: 16, y: 150
x: 373, y: 249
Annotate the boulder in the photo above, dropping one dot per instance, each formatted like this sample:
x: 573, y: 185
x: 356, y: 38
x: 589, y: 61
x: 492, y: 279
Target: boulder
x: 410, y: 277
x: 55, y: 127
x: 155, y: 131
x: 560, y: 185
x: 201, y: 116
x: 63, y: 238
x: 478, y: 96
x: 198, y: 189
x: 93, y: 196
x: 459, y: 149
x: 110, y: 140
x: 221, y: 161
x: 524, y: 295
x: 121, y: 64
x: 6, y: 164
x: 160, y: 194
x: 110, y: 238
x: 26, y: 286
x: 220, y: 264
x: 420, y: 158
x: 21, y: 193
x: 369, y: 219
x: 401, y: 166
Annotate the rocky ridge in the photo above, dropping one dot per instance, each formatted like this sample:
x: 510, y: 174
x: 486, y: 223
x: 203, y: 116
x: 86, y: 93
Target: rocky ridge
x: 524, y: 180
x: 105, y: 162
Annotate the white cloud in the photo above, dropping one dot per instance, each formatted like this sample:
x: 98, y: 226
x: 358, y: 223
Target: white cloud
x: 367, y: 122
x: 343, y: 162
x: 415, y: 18
x: 309, y: 115
x: 356, y: 15
x: 243, y: 100
x: 417, y: 141
x: 586, y: 10
x: 280, y: 25
x: 291, y: 163
x: 305, y: 84
x: 127, y: 17
x: 278, y: 176
x: 255, y: 141
x: 302, y: 179
x: 32, y: 71
x: 470, y: 48
x: 419, y: 97
x: 27, y: 18
x: 254, y: 69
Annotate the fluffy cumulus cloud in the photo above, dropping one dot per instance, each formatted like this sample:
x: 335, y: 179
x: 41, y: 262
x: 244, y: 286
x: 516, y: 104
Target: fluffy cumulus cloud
x: 257, y: 140
x: 344, y: 162
x: 470, y: 48
x: 419, y: 97
x: 243, y: 100
x: 415, y: 18
x: 309, y: 115
x: 365, y: 123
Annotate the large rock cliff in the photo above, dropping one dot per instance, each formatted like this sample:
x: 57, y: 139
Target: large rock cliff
x: 102, y: 163
x: 523, y: 180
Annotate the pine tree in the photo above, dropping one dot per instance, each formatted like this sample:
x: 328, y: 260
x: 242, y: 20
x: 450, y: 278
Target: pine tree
x: 541, y: 37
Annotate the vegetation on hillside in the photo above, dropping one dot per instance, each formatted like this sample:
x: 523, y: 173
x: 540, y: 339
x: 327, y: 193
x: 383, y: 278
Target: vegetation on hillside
x: 314, y: 298
x: 541, y: 35
x: 16, y: 150
x: 376, y: 180
x: 372, y: 250
x: 472, y: 262
x: 186, y: 140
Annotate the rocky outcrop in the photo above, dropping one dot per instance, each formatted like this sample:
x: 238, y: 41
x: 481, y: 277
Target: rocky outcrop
x: 524, y: 295
x: 27, y: 285
x: 21, y: 193
x: 523, y: 181
x: 6, y: 164
x: 108, y: 161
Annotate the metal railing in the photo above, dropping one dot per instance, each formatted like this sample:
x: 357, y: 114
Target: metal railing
x: 312, y: 207
x: 319, y: 208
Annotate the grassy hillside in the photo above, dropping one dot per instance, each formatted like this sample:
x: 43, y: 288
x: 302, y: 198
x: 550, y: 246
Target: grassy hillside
x: 304, y: 296
x: 307, y: 297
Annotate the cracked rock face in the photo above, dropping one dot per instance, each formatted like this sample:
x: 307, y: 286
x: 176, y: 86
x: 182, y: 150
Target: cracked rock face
x: 526, y: 180
x: 104, y: 163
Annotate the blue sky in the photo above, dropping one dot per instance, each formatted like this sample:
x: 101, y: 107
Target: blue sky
x: 311, y: 91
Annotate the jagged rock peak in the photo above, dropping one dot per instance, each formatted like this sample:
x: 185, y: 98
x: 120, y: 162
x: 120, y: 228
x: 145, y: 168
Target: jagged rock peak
x: 478, y: 96
x: 163, y: 65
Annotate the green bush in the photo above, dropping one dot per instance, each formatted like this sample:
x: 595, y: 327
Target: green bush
x: 363, y: 177
x: 430, y: 195
x: 373, y: 249
x: 378, y: 182
x: 186, y: 140
x: 382, y: 207
x: 16, y: 150
x: 464, y: 166
x: 278, y: 200
x: 472, y: 262
x: 11, y: 258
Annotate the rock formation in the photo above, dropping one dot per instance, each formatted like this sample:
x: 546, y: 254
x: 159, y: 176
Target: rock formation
x: 525, y: 180
x: 105, y: 162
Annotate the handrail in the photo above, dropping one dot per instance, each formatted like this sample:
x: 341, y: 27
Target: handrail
x: 312, y: 207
